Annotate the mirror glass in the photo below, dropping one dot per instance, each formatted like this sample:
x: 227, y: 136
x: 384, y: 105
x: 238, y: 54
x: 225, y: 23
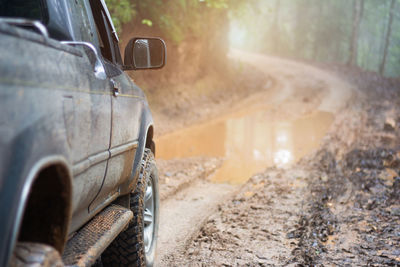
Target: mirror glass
x: 148, y: 53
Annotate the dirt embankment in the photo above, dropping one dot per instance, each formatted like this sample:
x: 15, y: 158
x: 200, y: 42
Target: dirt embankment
x: 340, y: 205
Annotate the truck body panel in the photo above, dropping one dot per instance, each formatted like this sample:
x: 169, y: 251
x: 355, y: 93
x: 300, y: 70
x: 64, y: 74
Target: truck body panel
x: 54, y: 109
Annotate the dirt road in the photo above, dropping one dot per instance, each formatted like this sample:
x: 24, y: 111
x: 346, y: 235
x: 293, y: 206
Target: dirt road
x: 212, y: 214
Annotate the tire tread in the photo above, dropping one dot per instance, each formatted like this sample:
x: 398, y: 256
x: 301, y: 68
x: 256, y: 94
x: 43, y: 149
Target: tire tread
x: 128, y: 248
x: 29, y: 254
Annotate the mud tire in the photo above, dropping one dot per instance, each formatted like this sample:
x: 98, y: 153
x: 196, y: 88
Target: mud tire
x: 128, y: 249
x: 29, y: 254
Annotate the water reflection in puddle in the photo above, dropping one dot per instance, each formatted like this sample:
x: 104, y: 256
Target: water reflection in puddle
x: 248, y: 144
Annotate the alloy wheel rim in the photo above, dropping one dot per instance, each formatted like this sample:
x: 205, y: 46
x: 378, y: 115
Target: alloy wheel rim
x: 148, y: 215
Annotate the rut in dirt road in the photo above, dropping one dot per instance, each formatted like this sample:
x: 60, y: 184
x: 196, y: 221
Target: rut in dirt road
x: 290, y: 117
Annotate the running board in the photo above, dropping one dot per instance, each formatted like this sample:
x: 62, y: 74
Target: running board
x: 88, y: 243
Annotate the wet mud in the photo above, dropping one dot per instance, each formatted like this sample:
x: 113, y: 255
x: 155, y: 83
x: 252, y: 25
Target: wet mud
x: 177, y: 174
x: 352, y: 216
x: 337, y: 206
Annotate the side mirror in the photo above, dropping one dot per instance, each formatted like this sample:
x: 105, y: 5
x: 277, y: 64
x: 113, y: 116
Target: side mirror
x: 145, y: 53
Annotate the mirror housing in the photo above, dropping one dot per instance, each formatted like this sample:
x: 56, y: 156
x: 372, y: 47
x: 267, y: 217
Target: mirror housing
x: 145, y: 53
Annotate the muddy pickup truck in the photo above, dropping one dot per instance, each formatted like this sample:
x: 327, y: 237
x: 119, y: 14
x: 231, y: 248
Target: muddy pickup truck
x: 78, y: 180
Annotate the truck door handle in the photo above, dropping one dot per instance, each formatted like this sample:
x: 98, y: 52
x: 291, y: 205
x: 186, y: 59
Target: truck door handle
x: 115, y: 85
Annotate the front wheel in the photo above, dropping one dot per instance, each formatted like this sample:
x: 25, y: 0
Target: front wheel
x: 136, y: 246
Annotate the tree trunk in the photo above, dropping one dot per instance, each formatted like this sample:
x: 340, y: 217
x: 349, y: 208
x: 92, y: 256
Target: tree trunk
x: 275, y: 28
x: 361, y: 10
x: 317, y: 32
x: 358, y: 5
x: 301, y: 30
x: 387, y: 39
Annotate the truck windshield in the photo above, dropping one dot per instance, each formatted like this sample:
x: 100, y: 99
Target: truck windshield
x: 29, y: 9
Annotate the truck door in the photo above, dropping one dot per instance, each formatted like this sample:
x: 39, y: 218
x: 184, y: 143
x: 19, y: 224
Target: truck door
x: 126, y: 106
x: 88, y: 113
x: 89, y: 133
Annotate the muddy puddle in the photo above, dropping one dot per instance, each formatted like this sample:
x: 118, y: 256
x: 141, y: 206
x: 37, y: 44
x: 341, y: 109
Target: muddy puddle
x: 247, y: 143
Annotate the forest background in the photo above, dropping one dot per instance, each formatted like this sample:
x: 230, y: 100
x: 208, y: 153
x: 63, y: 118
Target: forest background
x: 199, y: 33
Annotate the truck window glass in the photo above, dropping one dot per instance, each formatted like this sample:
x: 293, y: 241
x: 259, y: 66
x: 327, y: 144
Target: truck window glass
x: 30, y: 9
x: 85, y: 29
x: 114, y: 43
x: 108, y: 46
x: 107, y: 35
x: 105, y: 46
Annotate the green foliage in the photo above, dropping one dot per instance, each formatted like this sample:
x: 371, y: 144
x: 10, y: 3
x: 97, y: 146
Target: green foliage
x: 122, y: 11
x: 216, y: 3
x: 177, y: 19
x: 147, y: 22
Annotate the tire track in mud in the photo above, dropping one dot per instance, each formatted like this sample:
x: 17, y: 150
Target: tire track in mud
x: 184, y: 213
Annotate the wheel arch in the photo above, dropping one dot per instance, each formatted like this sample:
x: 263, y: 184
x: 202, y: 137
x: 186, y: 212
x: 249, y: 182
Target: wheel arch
x: 145, y: 140
x: 149, y: 139
x: 44, y: 215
